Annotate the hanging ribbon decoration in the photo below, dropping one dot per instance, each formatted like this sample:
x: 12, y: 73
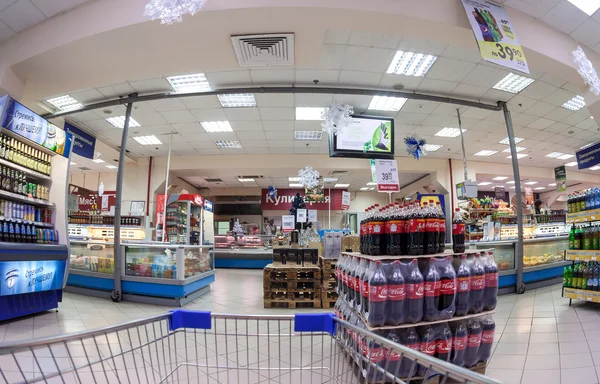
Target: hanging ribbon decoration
x: 415, y: 146
x: 272, y: 192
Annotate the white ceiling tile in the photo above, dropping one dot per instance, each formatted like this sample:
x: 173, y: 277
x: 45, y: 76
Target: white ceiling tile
x: 525, y: 133
x: 565, y: 17
x: 209, y: 114
x: 243, y: 126
x: 274, y: 100
x: 272, y: 76
x: 485, y: 76
x: 440, y: 121
x: 324, y: 76
x: 278, y: 125
x: 449, y: 69
x: 332, y: 56
x: 307, y: 125
x: 588, y: 33
x: 200, y: 144
x: 374, y: 39
x: 184, y: 116
x: 536, y: 8
x: 85, y: 116
x: 409, y: 118
x: 195, y: 136
x: 494, y: 95
x: 116, y: 90
x: 313, y: 100
x: 51, y: 8
x: 519, y: 103
x: 228, y: 79
x: 21, y: 15
x: 368, y: 59
x: 436, y: 86
x: 260, y: 135
x: 179, y: 146
x: 523, y: 119
x: 99, y: 125
x: 488, y: 126
x: 458, y: 52
x: 153, y: 118
x: 336, y: 36
x: 558, y: 114
x: 356, y: 78
x: 410, y: 83
x: 556, y: 139
x: 419, y: 106
x: 540, y: 109
x: 575, y: 88
x: 559, y: 97
x: 5, y: 31
x: 359, y: 102
x: 155, y: 129
x: 558, y: 127
x: 242, y: 114
x: 280, y: 143
x: 448, y: 109
x: 586, y: 124
x: 201, y: 102
x: 258, y: 151
x: 573, y: 119
x: 277, y: 113
x: 541, y: 123
x: 154, y: 85
x: 189, y: 128
x: 412, y: 44
x: 168, y: 104
x: 469, y: 91
x: 538, y: 90
x: 225, y: 136
x: 280, y: 135
x: 277, y: 150
x: 552, y: 80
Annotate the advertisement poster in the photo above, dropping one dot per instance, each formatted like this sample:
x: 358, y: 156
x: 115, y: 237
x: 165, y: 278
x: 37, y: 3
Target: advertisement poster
x: 560, y: 176
x: 495, y: 34
x: 499, y: 193
x: 31, y: 276
x: 301, y: 215
x: 288, y: 223
x: 312, y: 215
x: 387, y: 175
x: 366, y: 135
x: 83, y: 143
x: 316, y: 194
x: 345, y: 200
x: 285, y: 197
x: 529, y: 196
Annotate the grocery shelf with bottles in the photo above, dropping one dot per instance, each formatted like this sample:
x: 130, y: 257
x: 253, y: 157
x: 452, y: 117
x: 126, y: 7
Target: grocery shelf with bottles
x: 187, y: 220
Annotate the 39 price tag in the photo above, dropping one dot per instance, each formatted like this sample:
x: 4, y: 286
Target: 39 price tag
x: 387, y: 175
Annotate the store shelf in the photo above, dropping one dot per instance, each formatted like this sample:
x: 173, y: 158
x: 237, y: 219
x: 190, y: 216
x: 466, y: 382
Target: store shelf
x: 422, y: 323
x: 583, y: 295
x: 36, y: 223
x: 410, y: 257
x: 29, y: 172
x: 583, y: 217
x: 580, y: 255
x: 24, y: 199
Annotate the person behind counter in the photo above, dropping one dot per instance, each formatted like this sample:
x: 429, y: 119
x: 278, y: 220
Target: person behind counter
x: 538, y: 207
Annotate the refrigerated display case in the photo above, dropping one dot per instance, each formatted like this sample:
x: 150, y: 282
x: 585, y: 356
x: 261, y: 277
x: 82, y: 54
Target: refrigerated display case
x: 243, y: 251
x: 184, y: 220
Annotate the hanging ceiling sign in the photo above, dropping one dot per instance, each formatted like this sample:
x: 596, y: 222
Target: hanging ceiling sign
x: 588, y: 157
x: 495, y: 35
x: 83, y: 143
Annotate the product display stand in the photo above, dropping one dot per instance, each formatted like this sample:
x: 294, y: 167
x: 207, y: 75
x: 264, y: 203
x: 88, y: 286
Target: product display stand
x: 292, y: 286
x: 329, y: 293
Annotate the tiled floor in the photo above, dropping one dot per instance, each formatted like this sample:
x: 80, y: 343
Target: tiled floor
x: 539, y: 337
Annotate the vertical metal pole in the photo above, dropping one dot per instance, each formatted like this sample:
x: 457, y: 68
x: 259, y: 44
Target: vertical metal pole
x: 462, y: 143
x: 515, y: 163
x: 164, y: 238
x: 116, y: 294
x: 329, y: 209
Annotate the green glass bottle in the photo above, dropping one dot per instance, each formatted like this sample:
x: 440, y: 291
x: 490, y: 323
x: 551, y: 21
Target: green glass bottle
x: 578, y: 238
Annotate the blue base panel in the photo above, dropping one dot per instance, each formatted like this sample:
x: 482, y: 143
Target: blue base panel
x: 242, y: 263
x: 165, y: 290
x: 28, y: 303
x: 545, y: 274
x: 91, y: 282
x: 507, y: 281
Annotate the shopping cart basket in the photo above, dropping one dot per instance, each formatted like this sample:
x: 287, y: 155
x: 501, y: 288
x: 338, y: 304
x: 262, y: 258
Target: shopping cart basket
x: 199, y: 347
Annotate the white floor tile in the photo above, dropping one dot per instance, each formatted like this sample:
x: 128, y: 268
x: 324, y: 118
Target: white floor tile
x: 543, y: 349
x: 576, y: 360
x: 585, y: 375
x: 542, y: 361
x: 536, y: 376
x: 573, y: 347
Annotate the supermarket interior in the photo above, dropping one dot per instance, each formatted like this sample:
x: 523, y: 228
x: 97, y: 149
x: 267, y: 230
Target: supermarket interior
x: 433, y: 199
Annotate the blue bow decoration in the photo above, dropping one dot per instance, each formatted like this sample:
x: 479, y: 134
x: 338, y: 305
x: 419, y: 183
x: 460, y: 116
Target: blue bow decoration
x: 272, y: 192
x: 415, y: 146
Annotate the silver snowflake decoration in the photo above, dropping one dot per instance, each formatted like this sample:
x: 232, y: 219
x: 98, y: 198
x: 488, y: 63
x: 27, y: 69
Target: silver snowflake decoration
x: 172, y: 11
x: 309, y: 177
x: 336, y: 118
x: 586, y: 70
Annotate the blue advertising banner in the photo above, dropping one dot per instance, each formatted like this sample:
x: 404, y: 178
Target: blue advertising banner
x: 588, y: 157
x: 31, y: 276
x: 208, y: 205
x: 83, y: 143
x: 24, y: 122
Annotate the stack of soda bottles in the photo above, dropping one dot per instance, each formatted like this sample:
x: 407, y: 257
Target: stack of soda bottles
x: 584, y: 237
x: 584, y: 200
x: 582, y: 276
x: 409, y: 229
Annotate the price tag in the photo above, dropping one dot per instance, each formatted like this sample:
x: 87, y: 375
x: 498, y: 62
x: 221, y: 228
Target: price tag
x: 312, y: 215
x: 387, y: 175
x: 301, y: 215
x: 345, y: 200
x: 288, y: 223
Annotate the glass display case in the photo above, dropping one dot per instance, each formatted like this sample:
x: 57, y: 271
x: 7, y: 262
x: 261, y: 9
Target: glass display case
x: 504, y: 253
x: 92, y: 256
x: 167, y: 261
x: 233, y: 241
x: 243, y: 251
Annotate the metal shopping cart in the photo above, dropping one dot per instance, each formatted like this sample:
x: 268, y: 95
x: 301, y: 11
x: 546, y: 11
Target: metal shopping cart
x: 199, y: 347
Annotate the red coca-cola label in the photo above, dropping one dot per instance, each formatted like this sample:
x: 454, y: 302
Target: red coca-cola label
x: 420, y: 225
x: 477, y: 282
x: 386, y: 227
x: 447, y: 287
x: 376, y: 354
x: 474, y: 340
x: 350, y: 282
x: 357, y: 284
x: 344, y: 278
x: 415, y: 291
x: 432, y: 288
x: 459, y: 343
x: 430, y: 225
x: 458, y: 229
x: 377, y: 227
x: 365, y: 289
x: 396, y: 292
x: 393, y: 355
x: 414, y: 346
x: 491, y: 279
x: 428, y: 348
x: 444, y: 346
x: 487, y: 337
x: 378, y: 293
x: 368, y: 229
x: 463, y: 284
x: 396, y: 226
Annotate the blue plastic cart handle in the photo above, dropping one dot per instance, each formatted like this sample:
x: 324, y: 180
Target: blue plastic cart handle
x: 183, y: 318
x: 315, y: 322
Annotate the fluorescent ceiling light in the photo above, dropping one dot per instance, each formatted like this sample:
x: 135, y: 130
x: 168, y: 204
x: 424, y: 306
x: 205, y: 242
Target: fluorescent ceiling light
x: 295, y: 185
x: 73, y: 163
x: 237, y: 100
x: 485, y: 183
x: 111, y: 166
x: 226, y: 144
x: 498, y: 178
x: 147, y: 140
x: 293, y: 179
x: 364, y: 188
x: 554, y: 155
x: 539, y: 188
x: 518, y: 149
x: 519, y: 156
x: 594, y: 168
x: 64, y: 103
x: 565, y: 157
x: 310, y: 113
x: 371, y: 189
x: 485, y: 152
x: 510, y: 182
x: 450, y: 132
x: 575, y: 104
x: 512, y: 188
x: 119, y: 122
x: 216, y: 126
x: 513, y: 83
x: 531, y: 183
x: 587, y: 6
x: 432, y: 147
x: 552, y: 185
x: 341, y: 185
x: 411, y: 64
x: 308, y: 135
x: 330, y: 179
x: 385, y: 103
x: 571, y: 164
x: 246, y: 180
x: 195, y: 82
x: 507, y: 142
x: 98, y: 161
x: 371, y: 183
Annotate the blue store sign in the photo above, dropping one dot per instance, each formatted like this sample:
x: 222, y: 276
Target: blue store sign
x: 31, y: 276
x: 208, y: 205
x: 84, y: 144
x: 588, y: 157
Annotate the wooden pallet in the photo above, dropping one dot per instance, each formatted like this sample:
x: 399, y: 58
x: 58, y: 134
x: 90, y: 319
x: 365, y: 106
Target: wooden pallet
x: 288, y: 303
x: 327, y: 303
x: 291, y: 285
x: 284, y: 273
x: 328, y: 268
x: 329, y: 285
x: 292, y: 294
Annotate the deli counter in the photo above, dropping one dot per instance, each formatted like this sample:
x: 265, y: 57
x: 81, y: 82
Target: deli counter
x: 243, y: 251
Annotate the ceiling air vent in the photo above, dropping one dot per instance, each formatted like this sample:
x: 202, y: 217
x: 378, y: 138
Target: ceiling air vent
x: 275, y: 49
x: 213, y: 180
x: 85, y: 168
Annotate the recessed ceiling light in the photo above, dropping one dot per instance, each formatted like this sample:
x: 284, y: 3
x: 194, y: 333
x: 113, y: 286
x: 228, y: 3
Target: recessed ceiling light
x: 237, y: 100
x: 310, y: 113
x: 498, y: 178
x: 510, y: 182
x: 111, y: 166
x: 411, y: 64
x: 518, y: 149
x: 571, y: 164
x: 147, y: 140
x: 364, y: 188
x: 64, y: 103
x: 432, y: 147
x: 512, y: 188
x: 226, y: 144
x: 341, y: 185
x: 98, y: 161
x: 195, y: 82
x: 330, y: 179
x: 575, y: 104
x: 293, y: 179
x: 552, y: 185
x: 385, y: 103
x: 513, y: 83
x: 554, y: 155
x: 565, y: 157
x: 507, y: 142
x: 594, y: 168
x: 485, y: 152
x: 519, y: 156
x: 73, y: 163
x: 587, y: 6
x: 531, y: 183
x: 119, y: 122
x: 371, y: 183
x: 216, y: 126
x: 539, y: 188
x: 308, y: 135
x: 242, y: 180
x: 450, y: 132
x: 295, y: 185
x: 485, y: 183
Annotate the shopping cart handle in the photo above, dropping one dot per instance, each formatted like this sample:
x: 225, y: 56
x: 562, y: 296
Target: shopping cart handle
x: 184, y: 318
x: 315, y: 322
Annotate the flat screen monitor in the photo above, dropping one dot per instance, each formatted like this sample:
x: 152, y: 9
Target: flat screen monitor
x: 368, y: 137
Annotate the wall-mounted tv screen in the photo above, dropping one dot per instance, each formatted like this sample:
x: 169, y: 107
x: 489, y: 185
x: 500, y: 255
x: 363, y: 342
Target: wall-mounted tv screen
x: 368, y: 137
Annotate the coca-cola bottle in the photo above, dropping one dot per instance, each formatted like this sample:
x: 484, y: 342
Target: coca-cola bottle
x: 344, y: 277
x: 459, y: 344
x: 477, y: 285
x: 458, y: 232
x: 367, y: 231
x: 337, y: 306
x: 350, y: 277
x: 490, y: 292
x: 403, y: 218
x: 411, y: 340
x: 357, y: 283
x: 395, y: 229
x: 427, y: 346
x: 463, y: 287
x: 377, y: 243
x: 393, y: 357
x: 338, y: 280
x: 446, y: 305
x: 443, y: 347
x: 432, y: 292
x: 377, y: 296
x: 346, y: 312
x: 360, y: 272
x: 416, y: 225
x: 414, y: 293
x: 488, y: 328
x: 473, y: 343
x: 375, y: 358
x: 430, y: 238
x: 364, y: 289
x: 441, y: 228
x: 396, y: 295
